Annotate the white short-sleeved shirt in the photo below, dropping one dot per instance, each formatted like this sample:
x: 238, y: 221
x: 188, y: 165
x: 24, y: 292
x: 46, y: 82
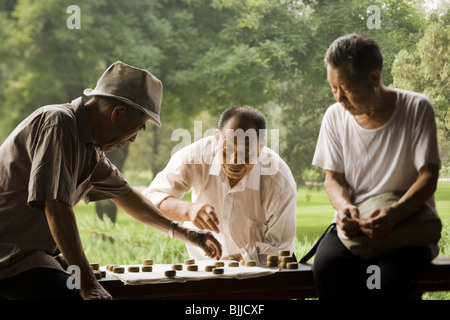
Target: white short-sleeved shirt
x: 256, y: 217
x: 384, y: 159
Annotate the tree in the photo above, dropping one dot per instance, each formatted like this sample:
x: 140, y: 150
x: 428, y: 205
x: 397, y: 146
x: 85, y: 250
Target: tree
x: 210, y: 54
x: 426, y: 68
x: 45, y: 62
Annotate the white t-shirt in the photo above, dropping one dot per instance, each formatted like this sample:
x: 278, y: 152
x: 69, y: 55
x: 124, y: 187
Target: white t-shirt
x: 257, y: 217
x: 384, y: 159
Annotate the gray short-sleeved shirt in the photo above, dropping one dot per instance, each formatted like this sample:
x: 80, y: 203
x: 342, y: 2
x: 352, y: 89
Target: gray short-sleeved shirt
x: 49, y: 156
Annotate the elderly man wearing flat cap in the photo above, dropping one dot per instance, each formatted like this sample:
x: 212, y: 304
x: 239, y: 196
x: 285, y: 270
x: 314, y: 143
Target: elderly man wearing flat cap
x: 55, y: 158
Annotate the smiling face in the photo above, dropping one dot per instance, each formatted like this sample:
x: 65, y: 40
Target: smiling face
x: 238, y: 147
x: 355, y: 95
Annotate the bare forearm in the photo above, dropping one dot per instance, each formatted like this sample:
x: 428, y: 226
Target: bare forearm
x: 337, y: 190
x: 419, y: 192
x: 175, y: 209
x: 202, y: 215
x: 62, y: 224
x: 143, y: 210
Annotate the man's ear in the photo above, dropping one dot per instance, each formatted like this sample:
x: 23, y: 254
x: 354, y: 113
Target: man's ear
x: 118, y: 111
x: 374, y: 78
x: 217, y: 135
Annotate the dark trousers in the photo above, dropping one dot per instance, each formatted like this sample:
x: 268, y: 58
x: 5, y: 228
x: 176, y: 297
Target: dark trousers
x: 38, y: 284
x: 339, y: 274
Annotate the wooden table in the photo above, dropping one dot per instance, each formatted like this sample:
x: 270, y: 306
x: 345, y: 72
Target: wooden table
x: 281, y: 285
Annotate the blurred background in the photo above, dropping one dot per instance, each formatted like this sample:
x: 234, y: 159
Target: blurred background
x: 212, y: 54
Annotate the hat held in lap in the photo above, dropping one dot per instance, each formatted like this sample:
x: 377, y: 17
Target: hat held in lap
x: 136, y: 87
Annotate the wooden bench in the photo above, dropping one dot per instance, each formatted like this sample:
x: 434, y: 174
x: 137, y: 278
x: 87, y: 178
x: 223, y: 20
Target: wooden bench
x: 282, y: 285
x: 436, y: 277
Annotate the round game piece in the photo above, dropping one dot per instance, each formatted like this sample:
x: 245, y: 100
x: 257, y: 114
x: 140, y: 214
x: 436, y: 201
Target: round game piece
x: 177, y: 267
x: 147, y: 268
x: 103, y: 273
x: 110, y: 267
x: 219, y: 264
x: 292, y: 265
x: 287, y: 259
x: 189, y: 261
x: 218, y: 270
x: 272, y: 258
x: 192, y: 267
x: 147, y: 262
x: 94, y: 266
x: 118, y: 270
x: 283, y: 253
x: 133, y: 269
x: 233, y: 264
x: 272, y: 264
x: 250, y: 263
x: 97, y: 274
x: 283, y: 265
x: 209, y: 268
x: 170, y: 273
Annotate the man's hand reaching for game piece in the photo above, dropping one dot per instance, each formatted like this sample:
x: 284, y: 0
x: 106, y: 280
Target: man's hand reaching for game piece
x: 202, y: 239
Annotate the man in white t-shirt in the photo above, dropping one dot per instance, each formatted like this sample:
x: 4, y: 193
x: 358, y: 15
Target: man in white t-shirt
x: 250, y: 202
x: 373, y: 140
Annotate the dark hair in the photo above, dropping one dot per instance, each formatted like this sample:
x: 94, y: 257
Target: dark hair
x: 243, y: 112
x: 357, y: 53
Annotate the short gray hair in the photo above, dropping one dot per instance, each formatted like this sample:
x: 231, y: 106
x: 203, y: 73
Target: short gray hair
x: 357, y: 53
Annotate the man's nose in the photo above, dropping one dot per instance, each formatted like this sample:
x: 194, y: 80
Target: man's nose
x: 239, y: 158
x: 133, y: 138
x: 339, y: 96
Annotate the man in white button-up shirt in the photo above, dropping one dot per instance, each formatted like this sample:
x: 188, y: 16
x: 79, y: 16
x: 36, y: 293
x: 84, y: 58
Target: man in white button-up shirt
x: 243, y: 191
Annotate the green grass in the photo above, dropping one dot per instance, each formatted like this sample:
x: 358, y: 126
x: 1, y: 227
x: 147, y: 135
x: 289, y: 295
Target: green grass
x: 128, y: 241
x: 314, y: 212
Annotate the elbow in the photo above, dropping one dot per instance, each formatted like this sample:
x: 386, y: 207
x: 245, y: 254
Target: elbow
x: 331, y: 178
x: 327, y: 183
x: 431, y: 174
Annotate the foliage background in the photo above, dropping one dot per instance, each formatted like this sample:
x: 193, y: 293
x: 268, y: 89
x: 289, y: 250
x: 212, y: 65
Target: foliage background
x: 211, y: 54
